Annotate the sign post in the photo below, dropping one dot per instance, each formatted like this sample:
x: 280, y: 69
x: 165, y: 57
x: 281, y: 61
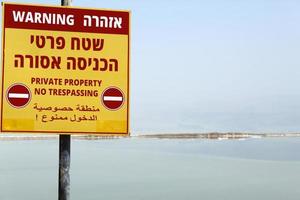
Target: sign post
x: 64, y: 167
x: 64, y: 71
x: 64, y: 155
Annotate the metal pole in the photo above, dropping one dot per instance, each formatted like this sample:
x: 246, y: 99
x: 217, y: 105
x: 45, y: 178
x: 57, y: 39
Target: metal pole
x: 66, y: 2
x: 64, y: 167
x: 64, y: 155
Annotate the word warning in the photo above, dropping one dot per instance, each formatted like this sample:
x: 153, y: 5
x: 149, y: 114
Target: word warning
x: 65, y: 70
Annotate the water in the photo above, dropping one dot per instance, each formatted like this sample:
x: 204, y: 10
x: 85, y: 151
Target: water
x: 147, y: 169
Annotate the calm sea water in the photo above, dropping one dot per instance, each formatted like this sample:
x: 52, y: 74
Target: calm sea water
x: 148, y: 169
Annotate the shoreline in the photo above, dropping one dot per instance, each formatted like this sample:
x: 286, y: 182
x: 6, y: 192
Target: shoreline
x: 211, y: 136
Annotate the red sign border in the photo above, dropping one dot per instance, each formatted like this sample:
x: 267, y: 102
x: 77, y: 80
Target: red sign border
x: 127, y: 133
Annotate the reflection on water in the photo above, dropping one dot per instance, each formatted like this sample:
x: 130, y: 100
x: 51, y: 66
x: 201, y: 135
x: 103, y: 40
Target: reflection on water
x: 145, y: 169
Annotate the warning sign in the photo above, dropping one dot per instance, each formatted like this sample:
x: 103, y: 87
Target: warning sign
x: 65, y: 70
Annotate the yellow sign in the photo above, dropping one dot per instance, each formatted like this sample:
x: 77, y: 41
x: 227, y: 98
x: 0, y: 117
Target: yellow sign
x: 65, y: 70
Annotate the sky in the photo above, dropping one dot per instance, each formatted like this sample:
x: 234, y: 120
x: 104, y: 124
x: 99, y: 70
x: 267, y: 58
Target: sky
x: 202, y: 66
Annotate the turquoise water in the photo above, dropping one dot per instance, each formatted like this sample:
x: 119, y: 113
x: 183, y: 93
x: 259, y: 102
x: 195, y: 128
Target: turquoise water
x: 147, y: 169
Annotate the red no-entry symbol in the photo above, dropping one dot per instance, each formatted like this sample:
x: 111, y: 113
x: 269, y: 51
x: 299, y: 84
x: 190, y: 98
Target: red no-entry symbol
x: 112, y: 98
x: 18, y: 95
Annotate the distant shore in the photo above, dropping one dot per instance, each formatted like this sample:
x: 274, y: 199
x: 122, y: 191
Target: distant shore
x: 217, y: 135
x: 212, y: 135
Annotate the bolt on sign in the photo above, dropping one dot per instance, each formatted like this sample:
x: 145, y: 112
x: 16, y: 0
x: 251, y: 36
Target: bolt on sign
x: 64, y: 70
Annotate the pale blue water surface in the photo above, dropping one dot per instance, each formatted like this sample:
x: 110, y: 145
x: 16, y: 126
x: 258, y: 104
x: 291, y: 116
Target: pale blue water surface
x: 148, y: 169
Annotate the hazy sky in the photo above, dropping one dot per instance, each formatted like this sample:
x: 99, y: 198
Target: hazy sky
x: 199, y: 66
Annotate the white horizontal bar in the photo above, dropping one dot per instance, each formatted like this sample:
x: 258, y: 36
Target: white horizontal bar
x: 18, y: 95
x: 112, y: 98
